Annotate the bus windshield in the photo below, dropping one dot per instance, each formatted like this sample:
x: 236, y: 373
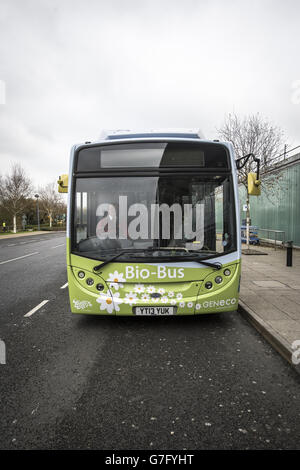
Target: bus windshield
x: 154, y: 216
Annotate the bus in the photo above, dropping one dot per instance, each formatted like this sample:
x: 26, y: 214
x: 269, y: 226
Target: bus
x: 153, y: 225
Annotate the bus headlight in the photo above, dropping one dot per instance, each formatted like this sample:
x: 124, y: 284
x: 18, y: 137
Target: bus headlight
x: 81, y: 274
x: 208, y: 285
x: 227, y: 272
x: 218, y: 279
x: 89, y: 281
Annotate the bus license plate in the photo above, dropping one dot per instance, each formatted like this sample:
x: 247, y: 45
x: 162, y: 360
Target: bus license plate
x: 154, y: 310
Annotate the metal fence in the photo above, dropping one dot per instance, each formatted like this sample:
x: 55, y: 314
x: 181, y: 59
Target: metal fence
x: 274, y: 239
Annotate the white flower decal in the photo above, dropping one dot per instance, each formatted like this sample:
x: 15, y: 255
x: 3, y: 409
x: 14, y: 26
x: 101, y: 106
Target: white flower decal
x: 173, y: 301
x: 198, y: 306
x: 179, y: 296
x: 164, y: 299
x: 171, y: 293
x: 115, y: 285
x: 150, y: 289
x: 161, y: 290
x: 145, y: 297
x: 115, y: 280
x: 106, y: 303
x: 81, y: 304
x: 139, y: 288
x: 117, y: 300
x: 181, y: 304
x: 131, y: 298
x: 190, y: 304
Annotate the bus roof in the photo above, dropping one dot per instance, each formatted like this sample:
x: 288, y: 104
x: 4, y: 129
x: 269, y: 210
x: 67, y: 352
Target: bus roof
x: 127, y: 135
x: 151, y: 133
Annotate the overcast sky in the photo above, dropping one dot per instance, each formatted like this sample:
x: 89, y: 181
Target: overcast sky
x: 73, y: 67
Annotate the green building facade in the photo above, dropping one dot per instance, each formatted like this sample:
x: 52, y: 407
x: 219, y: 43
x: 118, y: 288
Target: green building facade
x: 278, y: 207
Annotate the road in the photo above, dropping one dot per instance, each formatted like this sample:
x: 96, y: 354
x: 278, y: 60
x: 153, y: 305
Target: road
x: 131, y: 383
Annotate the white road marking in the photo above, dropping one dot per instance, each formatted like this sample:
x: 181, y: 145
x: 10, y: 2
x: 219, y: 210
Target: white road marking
x: 57, y: 246
x: 11, y: 244
x: 19, y: 257
x: 31, y: 312
x: 64, y: 286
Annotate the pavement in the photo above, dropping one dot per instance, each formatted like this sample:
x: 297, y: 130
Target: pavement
x: 270, y: 297
x: 84, y: 382
x: 24, y: 234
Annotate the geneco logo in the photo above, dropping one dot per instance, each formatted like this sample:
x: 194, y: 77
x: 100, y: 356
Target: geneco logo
x: 296, y: 353
x: 2, y: 352
x: 217, y: 303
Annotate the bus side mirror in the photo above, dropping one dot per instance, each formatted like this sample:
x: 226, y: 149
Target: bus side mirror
x: 63, y: 184
x: 253, y: 185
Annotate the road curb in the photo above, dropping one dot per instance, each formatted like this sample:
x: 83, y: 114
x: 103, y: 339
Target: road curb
x: 277, y: 341
x: 27, y: 234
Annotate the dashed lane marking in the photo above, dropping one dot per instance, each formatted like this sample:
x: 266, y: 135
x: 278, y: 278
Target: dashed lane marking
x: 64, y: 286
x: 19, y: 257
x: 31, y: 312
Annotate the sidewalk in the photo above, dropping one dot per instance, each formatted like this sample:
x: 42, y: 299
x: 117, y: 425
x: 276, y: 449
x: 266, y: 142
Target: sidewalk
x: 25, y: 234
x: 270, y: 297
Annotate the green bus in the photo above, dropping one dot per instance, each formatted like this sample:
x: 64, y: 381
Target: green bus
x: 153, y: 225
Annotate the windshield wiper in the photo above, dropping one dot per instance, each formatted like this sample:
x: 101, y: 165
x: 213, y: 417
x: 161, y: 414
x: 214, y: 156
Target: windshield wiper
x: 140, y: 250
x: 152, y: 250
x: 112, y: 258
x: 211, y: 265
x: 192, y: 255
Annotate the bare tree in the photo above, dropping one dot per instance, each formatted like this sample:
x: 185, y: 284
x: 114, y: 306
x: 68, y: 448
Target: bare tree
x: 14, y: 189
x: 51, y: 201
x: 252, y: 134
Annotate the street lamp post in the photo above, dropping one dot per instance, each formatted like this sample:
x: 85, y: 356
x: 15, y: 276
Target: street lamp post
x: 37, y: 210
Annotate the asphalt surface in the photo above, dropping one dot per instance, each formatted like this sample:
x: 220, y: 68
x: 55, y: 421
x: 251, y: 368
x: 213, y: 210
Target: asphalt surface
x: 203, y: 382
